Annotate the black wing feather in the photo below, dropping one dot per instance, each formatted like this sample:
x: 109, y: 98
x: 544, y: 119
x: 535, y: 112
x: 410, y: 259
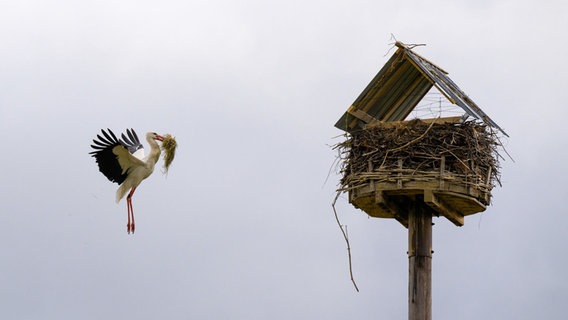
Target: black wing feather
x: 98, y: 145
x: 133, y: 136
x: 106, y: 159
x: 110, y: 137
x: 103, y: 139
x: 125, y: 139
x: 113, y: 136
x: 131, y: 142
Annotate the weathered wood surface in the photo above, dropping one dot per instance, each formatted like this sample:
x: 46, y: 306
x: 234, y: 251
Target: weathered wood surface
x: 384, y: 199
x: 419, y: 262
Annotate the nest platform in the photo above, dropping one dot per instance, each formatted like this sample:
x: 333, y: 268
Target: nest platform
x: 449, y: 166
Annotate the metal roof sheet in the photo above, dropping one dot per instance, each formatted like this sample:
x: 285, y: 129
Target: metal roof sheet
x: 399, y: 86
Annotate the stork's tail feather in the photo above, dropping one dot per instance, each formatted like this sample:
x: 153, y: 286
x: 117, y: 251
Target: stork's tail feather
x: 122, y: 190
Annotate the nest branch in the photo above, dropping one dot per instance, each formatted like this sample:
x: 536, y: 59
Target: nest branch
x: 344, y: 232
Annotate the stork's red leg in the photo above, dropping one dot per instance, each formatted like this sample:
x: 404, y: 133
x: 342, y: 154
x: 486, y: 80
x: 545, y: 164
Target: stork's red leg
x: 128, y: 214
x: 128, y: 207
x: 130, y: 227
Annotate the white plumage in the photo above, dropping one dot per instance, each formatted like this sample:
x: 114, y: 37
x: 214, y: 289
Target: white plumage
x: 123, y: 161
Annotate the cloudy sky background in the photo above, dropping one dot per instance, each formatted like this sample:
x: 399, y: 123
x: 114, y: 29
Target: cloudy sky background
x: 242, y: 227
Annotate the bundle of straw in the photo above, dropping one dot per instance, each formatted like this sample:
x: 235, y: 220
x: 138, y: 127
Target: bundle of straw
x: 169, y: 146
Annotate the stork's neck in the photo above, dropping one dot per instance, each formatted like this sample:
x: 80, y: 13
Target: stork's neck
x: 155, y: 151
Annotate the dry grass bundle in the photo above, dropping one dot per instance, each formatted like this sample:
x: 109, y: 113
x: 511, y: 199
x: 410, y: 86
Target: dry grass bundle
x: 418, y: 150
x: 169, y: 146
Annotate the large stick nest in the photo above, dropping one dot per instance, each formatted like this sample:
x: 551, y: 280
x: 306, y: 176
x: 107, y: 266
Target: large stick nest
x: 469, y: 150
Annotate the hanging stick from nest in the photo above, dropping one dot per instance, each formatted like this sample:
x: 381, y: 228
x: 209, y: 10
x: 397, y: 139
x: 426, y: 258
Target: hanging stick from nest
x: 344, y: 232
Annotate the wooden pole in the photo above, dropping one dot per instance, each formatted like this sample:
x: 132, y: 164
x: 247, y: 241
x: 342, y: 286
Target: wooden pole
x: 419, y: 262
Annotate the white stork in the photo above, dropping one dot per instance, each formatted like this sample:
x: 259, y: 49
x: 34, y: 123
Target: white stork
x: 123, y: 161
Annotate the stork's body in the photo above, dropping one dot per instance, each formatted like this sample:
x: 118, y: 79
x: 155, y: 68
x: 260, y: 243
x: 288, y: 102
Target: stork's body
x: 123, y: 161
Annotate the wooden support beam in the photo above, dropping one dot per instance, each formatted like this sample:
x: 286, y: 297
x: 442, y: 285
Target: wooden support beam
x: 360, y: 114
x: 433, y: 202
x: 397, y: 212
x: 419, y: 262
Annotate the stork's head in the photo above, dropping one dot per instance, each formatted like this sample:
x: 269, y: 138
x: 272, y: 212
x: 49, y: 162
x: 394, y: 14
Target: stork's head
x: 155, y: 136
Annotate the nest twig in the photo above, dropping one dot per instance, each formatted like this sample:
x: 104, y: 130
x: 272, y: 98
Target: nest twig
x: 346, y: 237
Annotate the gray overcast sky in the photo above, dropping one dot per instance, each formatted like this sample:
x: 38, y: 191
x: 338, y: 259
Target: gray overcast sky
x: 242, y: 227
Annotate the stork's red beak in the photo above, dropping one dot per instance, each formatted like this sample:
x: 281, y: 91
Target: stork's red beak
x: 159, y: 137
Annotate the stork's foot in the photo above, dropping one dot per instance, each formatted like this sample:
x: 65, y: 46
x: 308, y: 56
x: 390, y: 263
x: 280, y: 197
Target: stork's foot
x: 130, y: 228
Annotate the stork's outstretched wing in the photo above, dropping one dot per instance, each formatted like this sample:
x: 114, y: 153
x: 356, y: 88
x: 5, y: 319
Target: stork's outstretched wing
x: 114, y: 157
x: 132, y: 143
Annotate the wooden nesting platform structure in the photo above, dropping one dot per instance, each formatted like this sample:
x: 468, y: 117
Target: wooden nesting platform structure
x: 449, y: 165
x: 413, y: 170
x: 389, y: 161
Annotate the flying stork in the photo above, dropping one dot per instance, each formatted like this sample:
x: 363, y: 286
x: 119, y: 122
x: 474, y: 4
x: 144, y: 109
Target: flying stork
x: 123, y: 161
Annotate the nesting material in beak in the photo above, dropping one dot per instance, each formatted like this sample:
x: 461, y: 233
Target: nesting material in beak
x: 169, y: 146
